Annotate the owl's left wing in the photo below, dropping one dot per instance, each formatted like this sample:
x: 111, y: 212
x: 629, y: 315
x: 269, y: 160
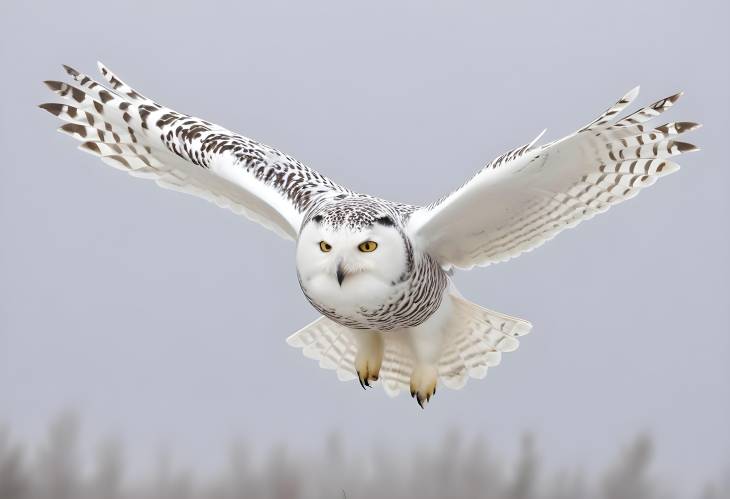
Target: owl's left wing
x: 180, y: 152
x: 528, y: 195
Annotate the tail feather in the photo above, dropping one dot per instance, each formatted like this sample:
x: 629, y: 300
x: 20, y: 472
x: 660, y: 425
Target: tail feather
x: 477, y: 338
x: 397, y: 364
x: 475, y: 341
x: 329, y: 343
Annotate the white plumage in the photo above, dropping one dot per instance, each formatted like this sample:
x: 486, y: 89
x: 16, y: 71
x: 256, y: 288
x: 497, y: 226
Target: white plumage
x: 376, y: 269
x: 528, y: 195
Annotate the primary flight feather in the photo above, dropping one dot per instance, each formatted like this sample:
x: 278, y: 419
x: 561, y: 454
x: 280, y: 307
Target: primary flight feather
x: 379, y: 271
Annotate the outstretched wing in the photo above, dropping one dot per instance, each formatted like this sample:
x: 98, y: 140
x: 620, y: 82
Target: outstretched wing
x: 180, y: 152
x: 526, y: 196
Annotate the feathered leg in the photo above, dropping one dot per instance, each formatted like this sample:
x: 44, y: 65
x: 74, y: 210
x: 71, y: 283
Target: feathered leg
x: 369, y: 357
x: 427, y: 341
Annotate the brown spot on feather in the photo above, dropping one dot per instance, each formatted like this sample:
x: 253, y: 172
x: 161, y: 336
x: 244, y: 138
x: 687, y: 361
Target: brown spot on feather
x: 92, y: 146
x: 74, y: 128
x: 105, y: 96
x: 52, y: 107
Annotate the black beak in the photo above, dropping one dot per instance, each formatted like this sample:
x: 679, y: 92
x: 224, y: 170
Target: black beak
x: 340, y: 274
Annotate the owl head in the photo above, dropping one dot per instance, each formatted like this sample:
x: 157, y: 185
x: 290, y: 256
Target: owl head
x: 347, y: 249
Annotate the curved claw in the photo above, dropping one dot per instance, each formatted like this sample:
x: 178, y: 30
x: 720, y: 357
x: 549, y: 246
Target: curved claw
x: 423, y: 383
x: 365, y: 376
x: 369, y: 359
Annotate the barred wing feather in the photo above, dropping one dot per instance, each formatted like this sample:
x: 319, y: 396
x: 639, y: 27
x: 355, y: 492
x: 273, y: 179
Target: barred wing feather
x: 180, y: 152
x: 528, y: 195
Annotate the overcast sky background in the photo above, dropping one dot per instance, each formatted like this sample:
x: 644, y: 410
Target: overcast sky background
x: 162, y: 318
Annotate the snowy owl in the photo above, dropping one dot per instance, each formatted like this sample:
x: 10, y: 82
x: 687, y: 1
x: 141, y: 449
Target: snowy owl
x: 380, y: 272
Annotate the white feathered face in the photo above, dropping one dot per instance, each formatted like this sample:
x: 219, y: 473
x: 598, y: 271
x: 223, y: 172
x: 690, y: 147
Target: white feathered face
x: 345, y: 263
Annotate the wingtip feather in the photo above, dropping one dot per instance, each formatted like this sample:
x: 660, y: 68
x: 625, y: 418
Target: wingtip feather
x: 633, y: 93
x: 53, y: 85
x: 685, y: 146
x: 91, y: 148
x: 52, y: 107
x: 71, y: 71
x: 666, y: 102
x: 539, y: 136
x: 73, y: 129
x: 687, y: 126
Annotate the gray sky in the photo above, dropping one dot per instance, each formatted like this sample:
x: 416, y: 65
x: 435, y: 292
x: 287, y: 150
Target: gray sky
x: 163, y: 318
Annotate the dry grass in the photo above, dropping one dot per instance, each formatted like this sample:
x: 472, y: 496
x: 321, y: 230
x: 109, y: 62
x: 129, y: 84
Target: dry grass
x: 458, y: 469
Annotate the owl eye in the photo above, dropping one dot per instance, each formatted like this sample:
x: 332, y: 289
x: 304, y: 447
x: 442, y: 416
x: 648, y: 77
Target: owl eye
x: 367, y: 246
x: 325, y: 246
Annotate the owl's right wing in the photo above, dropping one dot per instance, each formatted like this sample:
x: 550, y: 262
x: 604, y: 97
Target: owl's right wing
x: 528, y: 195
x: 180, y: 152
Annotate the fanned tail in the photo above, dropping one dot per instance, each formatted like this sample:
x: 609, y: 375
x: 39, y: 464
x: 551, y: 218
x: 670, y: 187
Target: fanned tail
x: 329, y: 343
x: 474, y: 342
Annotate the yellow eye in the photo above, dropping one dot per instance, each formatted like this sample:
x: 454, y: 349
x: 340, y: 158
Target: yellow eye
x: 325, y: 246
x: 367, y: 246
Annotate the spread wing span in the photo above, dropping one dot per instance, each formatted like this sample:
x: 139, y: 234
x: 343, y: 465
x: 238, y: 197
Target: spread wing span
x: 528, y: 195
x: 135, y: 134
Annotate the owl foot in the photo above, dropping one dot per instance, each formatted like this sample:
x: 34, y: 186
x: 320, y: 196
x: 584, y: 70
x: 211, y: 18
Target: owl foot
x: 369, y: 359
x: 423, y: 383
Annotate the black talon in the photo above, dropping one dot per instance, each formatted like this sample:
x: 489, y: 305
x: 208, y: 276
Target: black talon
x: 361, y: 383
x: 420, y: 400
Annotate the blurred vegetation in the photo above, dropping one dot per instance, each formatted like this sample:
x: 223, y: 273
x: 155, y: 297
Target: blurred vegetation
x: 458, y: 469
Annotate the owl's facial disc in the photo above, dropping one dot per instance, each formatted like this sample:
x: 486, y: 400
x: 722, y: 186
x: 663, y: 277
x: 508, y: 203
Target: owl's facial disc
x: 334, y: 259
